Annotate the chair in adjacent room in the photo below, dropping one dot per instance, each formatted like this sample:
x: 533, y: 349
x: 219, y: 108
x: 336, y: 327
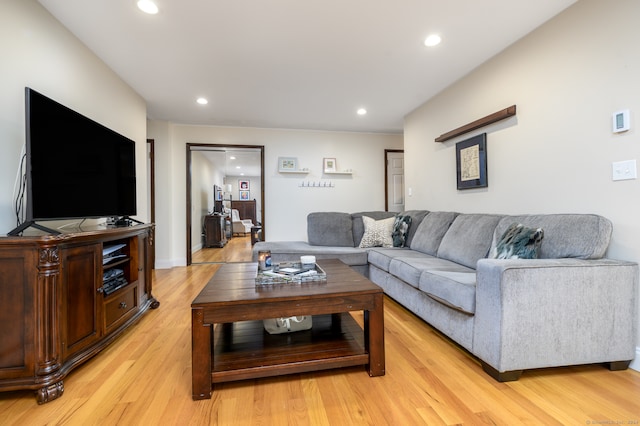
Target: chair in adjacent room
x: 240, y: 226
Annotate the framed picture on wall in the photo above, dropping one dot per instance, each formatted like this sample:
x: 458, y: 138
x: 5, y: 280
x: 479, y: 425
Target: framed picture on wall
x: 243, y: 185
x: 244, y: 195
x: 287, y: 164
x: 471, y: 162
x: 217, y: 192
x: 329, y: 165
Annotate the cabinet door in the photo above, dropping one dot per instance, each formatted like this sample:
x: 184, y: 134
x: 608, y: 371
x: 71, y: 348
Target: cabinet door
x: 17, y: 316
x: 82, y: 306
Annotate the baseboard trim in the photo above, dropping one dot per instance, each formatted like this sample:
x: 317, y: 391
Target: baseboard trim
x: 635, y: 364
x: 169, y: 263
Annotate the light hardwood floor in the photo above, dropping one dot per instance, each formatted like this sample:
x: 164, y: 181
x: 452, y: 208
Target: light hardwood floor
x: 144, y: 378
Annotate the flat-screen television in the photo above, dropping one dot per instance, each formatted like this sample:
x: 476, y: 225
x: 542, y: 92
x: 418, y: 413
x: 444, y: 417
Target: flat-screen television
x: 75, y: 167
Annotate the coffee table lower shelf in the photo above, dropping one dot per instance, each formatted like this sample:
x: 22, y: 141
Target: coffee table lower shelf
x: 243, y: 350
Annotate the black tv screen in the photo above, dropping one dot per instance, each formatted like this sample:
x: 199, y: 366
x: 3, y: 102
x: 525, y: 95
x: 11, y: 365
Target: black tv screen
x: 76, y: 167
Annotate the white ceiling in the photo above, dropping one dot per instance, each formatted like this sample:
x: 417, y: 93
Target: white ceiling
x: 297, y: 64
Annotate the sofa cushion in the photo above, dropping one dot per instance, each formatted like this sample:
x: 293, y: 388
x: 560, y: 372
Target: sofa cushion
x: 358, y: 227
x: 409, y: 269
x: 401, y: 226
x: 416, y: 219
x: 381, y: 257
x: 468, y: 238
x: 454, y: 287
x: 582, y: 236
x: 329, y: 229
x: 377, y: 233
x: 429, y: 234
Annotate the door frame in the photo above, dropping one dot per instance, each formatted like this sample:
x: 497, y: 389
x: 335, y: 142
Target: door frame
x: 386, y: 176
x: 152, y: 198
x: 189, y: 147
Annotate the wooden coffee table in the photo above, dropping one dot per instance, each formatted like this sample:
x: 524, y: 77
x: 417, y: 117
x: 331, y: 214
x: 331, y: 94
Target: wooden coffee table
x: 229, y: 342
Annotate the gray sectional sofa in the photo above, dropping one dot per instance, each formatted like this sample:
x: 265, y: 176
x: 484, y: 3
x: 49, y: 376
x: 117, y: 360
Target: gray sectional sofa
x: 569, y: 306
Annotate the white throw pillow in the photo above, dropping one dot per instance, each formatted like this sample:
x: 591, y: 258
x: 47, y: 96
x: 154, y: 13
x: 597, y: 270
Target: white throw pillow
x: 377, y: 233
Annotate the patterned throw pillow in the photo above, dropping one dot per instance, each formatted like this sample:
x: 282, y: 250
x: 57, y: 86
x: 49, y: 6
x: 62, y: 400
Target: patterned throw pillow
x: 518, y: 242
x: 400, y: 229
x: 377, y: 233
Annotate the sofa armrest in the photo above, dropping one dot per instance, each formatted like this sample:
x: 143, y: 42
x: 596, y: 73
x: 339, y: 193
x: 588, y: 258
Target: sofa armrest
x: 554, y: 312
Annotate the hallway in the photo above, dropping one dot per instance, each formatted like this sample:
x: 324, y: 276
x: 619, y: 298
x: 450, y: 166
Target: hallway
x: 238, y: 249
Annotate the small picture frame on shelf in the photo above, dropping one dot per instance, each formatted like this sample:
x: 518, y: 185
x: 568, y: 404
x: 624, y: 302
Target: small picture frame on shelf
x: 244, y: 195
x: 287, y: 164
x: 329, y: 165
x: 243, y: 185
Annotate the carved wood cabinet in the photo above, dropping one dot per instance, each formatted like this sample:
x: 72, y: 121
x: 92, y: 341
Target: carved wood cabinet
x: 64, y: 298
x: 214, y: 230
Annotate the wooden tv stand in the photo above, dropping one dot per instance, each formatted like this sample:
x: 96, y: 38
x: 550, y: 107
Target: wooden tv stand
x: 55, y: 310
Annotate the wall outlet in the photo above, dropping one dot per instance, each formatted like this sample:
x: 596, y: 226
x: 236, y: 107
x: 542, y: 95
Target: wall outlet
x: 623, y: 170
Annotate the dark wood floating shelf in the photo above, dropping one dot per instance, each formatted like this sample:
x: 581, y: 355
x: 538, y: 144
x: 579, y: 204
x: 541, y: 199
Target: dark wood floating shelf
x: 485, y: 121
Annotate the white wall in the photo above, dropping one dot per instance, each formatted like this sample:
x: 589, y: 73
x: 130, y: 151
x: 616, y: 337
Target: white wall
x: 286, y: 204
x: 566, y: 78
x: 38, y: 52
x: 160, y: 131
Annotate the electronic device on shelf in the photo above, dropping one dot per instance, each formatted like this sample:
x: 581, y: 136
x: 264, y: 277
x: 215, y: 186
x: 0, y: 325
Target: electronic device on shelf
x: 113, y: 280
x: 113, y: 253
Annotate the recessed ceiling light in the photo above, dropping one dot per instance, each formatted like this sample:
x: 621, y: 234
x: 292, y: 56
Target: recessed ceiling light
x: 232, y: 158
x: 432, y: 40
x: 202, y: 101
x: 362, y: 111
x: 148, y: 6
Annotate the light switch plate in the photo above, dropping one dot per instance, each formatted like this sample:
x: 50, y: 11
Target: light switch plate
x: 623, y: 170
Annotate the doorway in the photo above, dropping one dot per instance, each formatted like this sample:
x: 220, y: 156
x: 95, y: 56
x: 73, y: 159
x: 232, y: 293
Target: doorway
x: 221, y: 167
x: 394, y: 180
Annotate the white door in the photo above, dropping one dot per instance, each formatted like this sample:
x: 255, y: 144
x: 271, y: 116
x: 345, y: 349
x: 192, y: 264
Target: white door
x: 395, y: 181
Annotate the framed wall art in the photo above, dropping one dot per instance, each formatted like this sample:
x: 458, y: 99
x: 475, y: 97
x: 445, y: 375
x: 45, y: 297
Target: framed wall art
x: 471, y: 162
x: 243, y: 185
x: 287, y: 164
x: 244, y: 195
x: 329, y: 165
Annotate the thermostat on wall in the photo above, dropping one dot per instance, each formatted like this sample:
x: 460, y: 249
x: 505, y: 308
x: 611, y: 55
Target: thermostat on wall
x: 621, y: 121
